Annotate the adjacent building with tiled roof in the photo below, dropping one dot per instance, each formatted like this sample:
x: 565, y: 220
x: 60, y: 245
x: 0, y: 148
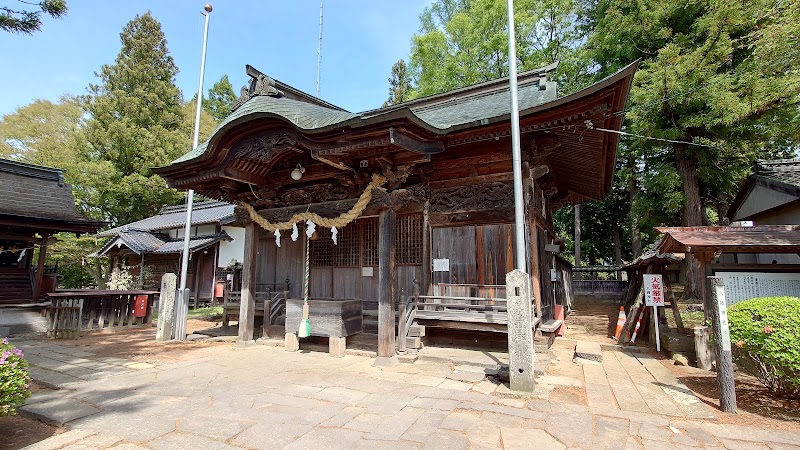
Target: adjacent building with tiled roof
x: 770, y: 195
x: 35, y: 203
x: 156, y: 243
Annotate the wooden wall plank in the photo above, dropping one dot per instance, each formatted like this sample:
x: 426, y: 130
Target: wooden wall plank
x: 347, y: 282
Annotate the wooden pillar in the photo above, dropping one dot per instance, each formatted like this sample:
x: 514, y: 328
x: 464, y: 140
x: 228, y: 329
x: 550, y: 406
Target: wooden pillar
x: 198, y: 266
x: 37, y: 287
x: 427, y: 265
x: 247, y: 308
x: 718, y: 313
x: 387, y: 356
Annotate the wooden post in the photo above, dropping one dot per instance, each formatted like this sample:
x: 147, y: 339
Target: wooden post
x: 718, y: 313
x: 673, y: 301
x: 578, y: 235
x: 702, y: 348
x: 37, y: 287
x: 401, y: 322
x: 427, y: 264
x: 386, y: 247
x: 247, y: 307
x: 198, y: 265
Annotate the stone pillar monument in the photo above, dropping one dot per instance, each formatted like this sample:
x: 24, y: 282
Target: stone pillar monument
x: 520, y: 331
x: 166, y: 307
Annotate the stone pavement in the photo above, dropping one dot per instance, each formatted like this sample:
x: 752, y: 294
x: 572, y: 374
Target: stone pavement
x: 264, y: 397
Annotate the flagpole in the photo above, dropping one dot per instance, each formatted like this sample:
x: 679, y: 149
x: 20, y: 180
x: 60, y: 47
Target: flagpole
x: 183, y: 293
x: 516, y: 154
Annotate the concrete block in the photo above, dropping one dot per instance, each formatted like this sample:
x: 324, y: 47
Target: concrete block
x: 292, y: 342
x: 337, y: 346
x: 589, y: 351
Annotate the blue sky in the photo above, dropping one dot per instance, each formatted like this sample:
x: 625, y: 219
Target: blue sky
x: 362, y: 39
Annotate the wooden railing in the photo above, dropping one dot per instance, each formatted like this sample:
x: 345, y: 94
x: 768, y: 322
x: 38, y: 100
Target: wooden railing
x: 599, y: 286
x: 476, y: 307
x: 407, y: 312
x: 268, y: 305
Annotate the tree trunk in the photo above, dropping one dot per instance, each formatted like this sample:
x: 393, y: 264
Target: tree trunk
x: 692, y: 215
x: 617, y: 249
x: 636, y: 238
x: 577, y: 235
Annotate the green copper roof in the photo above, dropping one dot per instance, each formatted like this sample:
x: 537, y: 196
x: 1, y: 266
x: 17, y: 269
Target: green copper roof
x: 443, y: 111
x: 484, y: 106
x: 303, y: 115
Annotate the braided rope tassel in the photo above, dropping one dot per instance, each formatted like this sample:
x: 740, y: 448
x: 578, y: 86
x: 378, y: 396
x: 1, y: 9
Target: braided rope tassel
x: 305, y: 325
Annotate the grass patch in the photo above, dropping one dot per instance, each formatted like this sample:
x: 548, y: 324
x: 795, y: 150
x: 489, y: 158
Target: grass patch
x: 211, y: 313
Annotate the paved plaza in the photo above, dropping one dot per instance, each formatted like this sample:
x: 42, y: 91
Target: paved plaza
x: 262, y: 397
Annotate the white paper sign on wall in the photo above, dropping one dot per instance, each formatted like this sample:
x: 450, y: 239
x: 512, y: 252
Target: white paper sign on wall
x: 441, y: 265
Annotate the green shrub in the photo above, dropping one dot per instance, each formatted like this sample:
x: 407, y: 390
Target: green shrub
x: 14, y: 379
x: 765, y: 333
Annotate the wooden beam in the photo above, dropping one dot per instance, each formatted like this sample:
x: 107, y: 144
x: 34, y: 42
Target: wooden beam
x: 496, y: 216
x: 409, y: 143
x: 247, y: 307
x: 386, y: 254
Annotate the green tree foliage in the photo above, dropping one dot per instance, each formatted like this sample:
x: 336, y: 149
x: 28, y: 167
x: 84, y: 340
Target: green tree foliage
x: 714, y: 73
x: 52, y: 135
x: 22, y: 19
x: 137, y: 122
x: 400, y: 84
x: 221, y: 98
x: 465, y: 42
x: 207, y: 122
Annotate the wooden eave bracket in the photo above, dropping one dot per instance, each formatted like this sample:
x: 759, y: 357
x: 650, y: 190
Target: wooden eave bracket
x: 412, y: 144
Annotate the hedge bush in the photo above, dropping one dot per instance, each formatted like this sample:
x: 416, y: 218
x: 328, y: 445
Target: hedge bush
x: 14, y: 379
x: 765, y: 333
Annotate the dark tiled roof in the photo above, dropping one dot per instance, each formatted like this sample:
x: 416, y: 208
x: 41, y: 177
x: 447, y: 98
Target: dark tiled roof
x: 36, y: 192
x: 652, y: 256
x: 780, y: 171
x: 769, y: 239
x: 140, y: 241
x: 441, y: 112
x: 175, y: 217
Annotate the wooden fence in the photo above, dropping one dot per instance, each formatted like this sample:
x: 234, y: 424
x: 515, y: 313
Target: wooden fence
x: 74, y: 311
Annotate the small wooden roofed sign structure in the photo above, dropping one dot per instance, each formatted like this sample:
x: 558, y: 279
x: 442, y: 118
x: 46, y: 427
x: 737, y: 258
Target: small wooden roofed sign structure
x: 649, y: 262
x: 35, y: 203
x: 445, y: 212
x: 707, y: 243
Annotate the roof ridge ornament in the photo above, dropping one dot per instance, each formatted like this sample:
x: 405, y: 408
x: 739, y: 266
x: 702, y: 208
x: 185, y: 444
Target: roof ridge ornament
x: 259, y: 84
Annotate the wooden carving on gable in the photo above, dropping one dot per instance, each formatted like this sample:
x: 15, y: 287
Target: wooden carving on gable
x: 479, y: 197
x: 266, y: 146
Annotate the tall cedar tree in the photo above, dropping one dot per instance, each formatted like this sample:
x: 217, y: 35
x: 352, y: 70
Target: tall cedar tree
x: 714, y: 72
x: 221, y: 98
x: 400, y: 88
x: 136, y: 121
x: 21, y: 20
x: 465, y: 42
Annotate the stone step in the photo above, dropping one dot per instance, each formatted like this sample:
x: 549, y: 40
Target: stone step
x: 588, y: 352
x: 416, y: 330
x: 413, y: 342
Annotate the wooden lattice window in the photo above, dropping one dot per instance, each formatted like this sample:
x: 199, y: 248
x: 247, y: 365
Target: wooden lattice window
x: 369, y: 241
x: 348, y: 251
x: 322, y: 248
x: 408, y: 243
